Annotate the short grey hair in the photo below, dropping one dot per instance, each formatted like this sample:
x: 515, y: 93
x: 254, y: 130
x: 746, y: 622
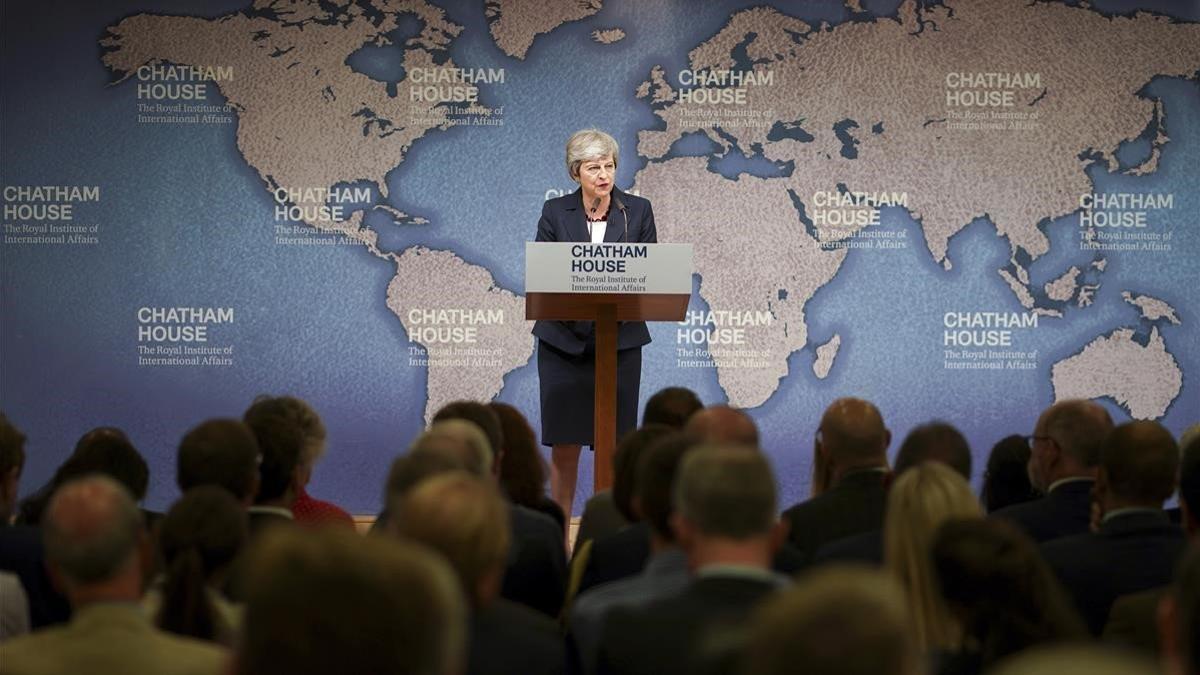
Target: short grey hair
x: 587, y: 145
x: 726, y: 491
x: 91, y: 529
x: 460, y: 440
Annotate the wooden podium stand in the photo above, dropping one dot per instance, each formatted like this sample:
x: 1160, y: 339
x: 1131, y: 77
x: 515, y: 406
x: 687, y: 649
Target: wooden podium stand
x: 606, y: 309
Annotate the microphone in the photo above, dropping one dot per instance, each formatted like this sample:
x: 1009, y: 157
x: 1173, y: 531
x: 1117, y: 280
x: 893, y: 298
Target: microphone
x: 621, y: 205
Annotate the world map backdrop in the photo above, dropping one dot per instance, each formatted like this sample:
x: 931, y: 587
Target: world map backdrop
x: 961, y: 210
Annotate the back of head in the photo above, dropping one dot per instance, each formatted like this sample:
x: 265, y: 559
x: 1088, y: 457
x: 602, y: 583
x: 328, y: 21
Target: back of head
x: 852, y: 433
x: 919, y: 502
x: 835, y: 621
x: 1140, y: 463
x: 994, y: 575
x: 91, y: 531
x: 220, y: 452
x: 655, y: 476
x: 672, y: 406
x: 1078, y: 427
x: 108, y: 451
x: 331, y: 601
x: 1077, y: 660
x: 465, y: 519
x: 411, y: 469
x: 459, y: 440
x: 722, y: 424
x: 12, y: 446
x: 12, y: 461
x: 198, y: 538
x: 290, y: 437
x: 935, y: 442
x: 478, y: 414
x: 1006, y: 479
x: 1189, y: 480
x: 522, y: 471
x: 726, y: 492
x: 625, y: 463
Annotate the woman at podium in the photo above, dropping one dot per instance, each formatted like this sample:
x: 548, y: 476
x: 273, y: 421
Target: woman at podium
x: 596, y: 212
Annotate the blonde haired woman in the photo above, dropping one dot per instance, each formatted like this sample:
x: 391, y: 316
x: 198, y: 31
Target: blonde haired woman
x: 920, y: 501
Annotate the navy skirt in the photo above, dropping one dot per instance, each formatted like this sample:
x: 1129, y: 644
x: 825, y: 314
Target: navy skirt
x: 567, y: 385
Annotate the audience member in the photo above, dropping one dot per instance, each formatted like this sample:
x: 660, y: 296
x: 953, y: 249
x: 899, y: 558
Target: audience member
x: 1006, y: 479
x: 282, y: 473
x: 725, y: 520
x: 1179, y: 618
x: 1064, y: 451
x: 609, y: 511
x: 994, y: 581
x: 931, y: 442
x: 1137, y: 546
x: 198, y: 540
x: 537, y: 567
x: 329, y: 601
x: 289, y: 422
x: 12, y: 461
x: 664, y: 573
x: 482, y: 416
x: 672, y: 406
x: 849, y: 466
x: 1132, y: 619
x: 14, y: 610
x: 104, y: 450
x: 522, y: 469
x: 96, y: 547
x: 835, y: 621
x: 624, y: 552
x: 922, y: 499
x: 464, y: 518
x: 221, y: 452
x: 721, y: 424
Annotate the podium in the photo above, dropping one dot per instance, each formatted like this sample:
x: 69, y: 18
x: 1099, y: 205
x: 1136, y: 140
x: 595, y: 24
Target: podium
x: 606, y: 283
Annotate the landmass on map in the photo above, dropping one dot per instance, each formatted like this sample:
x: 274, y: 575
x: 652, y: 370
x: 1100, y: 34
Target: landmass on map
x: 438, y: 294
x: 321, y: 124
x: 1063, y: 288
x: 1152, y: 309
x: 1142, y: 379
x: 515, y: 23
x: 826, y: 354
x: 609, y: 36
x: 861, y: 136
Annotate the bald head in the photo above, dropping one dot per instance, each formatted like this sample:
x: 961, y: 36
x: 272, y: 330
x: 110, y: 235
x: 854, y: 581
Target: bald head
x: 459, y: 440
x: 91, y: 530
x: 1078, y: 427
x: 853, y: 434
x: 721, y: 424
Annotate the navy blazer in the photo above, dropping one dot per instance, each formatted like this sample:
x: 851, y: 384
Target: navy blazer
x: 563, y: 219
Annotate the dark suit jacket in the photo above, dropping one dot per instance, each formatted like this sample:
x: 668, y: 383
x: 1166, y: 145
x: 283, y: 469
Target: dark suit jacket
x: 624, y: 554
x: 564, y: 219
x: 510, y: 639
x: 1132, y: 552
x: 21, y: 553
x: 863, y: 548
x: 536, y: 575
x: 1133, y: 621
x: 681, y: 634
x: 1065, y: 511
x: 852, y: 506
